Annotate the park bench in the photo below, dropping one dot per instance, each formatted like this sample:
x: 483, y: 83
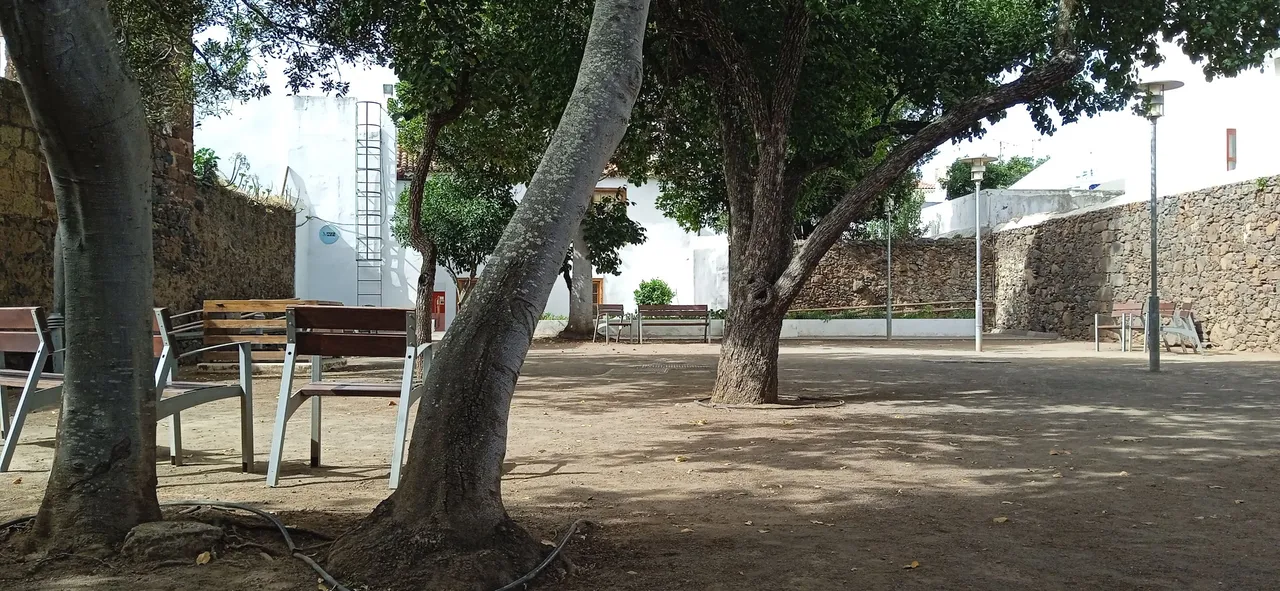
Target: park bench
x: 320, y: 331
x: 259, y: 322
x: 676, y: 315
x: 1118, y: 320
x: 610, y: 315
x: 26, y: 330
x: 1180, y: 324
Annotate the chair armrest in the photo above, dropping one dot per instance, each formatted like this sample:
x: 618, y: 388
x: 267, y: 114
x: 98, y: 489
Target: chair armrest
x: 422, y: 348
x: 213, y: 347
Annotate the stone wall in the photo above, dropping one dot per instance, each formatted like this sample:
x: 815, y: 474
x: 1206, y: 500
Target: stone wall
x: 209, y: 242
x: 1218, y: 251
x: 853, y: 273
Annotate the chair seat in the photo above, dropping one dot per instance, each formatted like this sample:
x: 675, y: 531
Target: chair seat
x: 350, y: 389
x: 18, y: 378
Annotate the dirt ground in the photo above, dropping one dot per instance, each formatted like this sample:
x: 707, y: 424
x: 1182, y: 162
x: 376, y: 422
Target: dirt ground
x: 1034, y: 466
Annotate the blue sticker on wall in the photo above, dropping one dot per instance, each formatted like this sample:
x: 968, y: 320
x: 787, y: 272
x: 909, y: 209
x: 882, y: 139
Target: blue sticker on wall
x: 328, y: 234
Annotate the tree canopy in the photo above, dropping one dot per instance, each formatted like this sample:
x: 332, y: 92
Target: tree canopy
x: 1000, y: 174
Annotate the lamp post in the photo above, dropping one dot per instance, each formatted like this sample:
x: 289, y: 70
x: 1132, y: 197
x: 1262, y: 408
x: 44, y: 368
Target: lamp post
x: 1153, y: 111
x: 888, y: 298
x: 978, y: 166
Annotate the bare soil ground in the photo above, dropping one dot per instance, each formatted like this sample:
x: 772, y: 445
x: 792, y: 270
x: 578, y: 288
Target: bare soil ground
x: 1035, y: 466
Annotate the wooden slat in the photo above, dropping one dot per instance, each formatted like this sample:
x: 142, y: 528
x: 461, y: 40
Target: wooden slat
x: 19, y: 342
x: 350, y: 389
x: 234, y: 357
x: 17, y: 319
x: 261, y: 339
x: 676, y: 311
x: 238, y: 323
x: 215, y: 306
x: 350, y: 318
x: 353, y: 345
x: 676, y: 308
x: 157, y: 345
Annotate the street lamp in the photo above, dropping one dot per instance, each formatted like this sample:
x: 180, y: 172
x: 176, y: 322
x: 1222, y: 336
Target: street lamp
x: 1153, y: 107
x: 977, y: 165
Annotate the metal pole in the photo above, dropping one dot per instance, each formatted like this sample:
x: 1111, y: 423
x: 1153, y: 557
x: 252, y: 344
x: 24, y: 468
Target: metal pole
x: 977, y: 281
x: 888, y: 298
x: 1152, y: 325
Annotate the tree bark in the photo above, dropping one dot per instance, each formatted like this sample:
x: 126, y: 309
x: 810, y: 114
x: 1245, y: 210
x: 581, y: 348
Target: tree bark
x: 93, y: 131
x: 581, y: 306
x: 426, y: 294
x: 446, y: 526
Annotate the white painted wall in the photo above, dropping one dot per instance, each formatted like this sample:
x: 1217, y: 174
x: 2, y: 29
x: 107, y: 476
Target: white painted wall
x: 956, y: 217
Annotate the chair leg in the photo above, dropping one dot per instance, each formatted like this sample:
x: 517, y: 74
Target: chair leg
x: 1097, y: 341
x: 401, y: 438
x: 4, y: 412
x: 15, y: 429
x: 246, y: 411
x: 315, y: 431
x: 284, y: 409
x: 175, y: 439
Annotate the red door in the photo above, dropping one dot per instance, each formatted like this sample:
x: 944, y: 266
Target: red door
x: 437, y: 310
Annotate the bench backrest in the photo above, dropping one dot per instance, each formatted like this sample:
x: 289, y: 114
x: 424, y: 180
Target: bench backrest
x: 261, y: 322
x: 351, y: 331
x: 23, y: 330
x: 1127, y: 308
x: 609, y: 309
x: 676, y: 311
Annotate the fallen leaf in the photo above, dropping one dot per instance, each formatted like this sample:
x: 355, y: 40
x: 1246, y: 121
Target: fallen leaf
x: 763, y: 531
x: 914, y: 564
x: 1057, y: 475
x: 700, y: 422
x: 1122, y: 473
x: 681, y: 459
x: 391, y: 403
x: 204, y: 557
x: 816, y: 522
x: 686, y: 531
x: 18, y: 481
x: 1215, y: 486
x: 1053, y: 452
x: 1000, y: 519
x: 1006, y: 502
x: 631, y: 572
x: 548, y: 543
x: 265, y: 556
x: 1239, y: 501
x: 746, y: 523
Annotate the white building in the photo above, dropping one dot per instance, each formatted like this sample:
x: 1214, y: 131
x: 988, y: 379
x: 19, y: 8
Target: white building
x: 336, y: 158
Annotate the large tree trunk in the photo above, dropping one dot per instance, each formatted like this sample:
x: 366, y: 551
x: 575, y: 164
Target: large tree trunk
x: 93, y: 131
x: 581, y: 306
x: 446, y: 526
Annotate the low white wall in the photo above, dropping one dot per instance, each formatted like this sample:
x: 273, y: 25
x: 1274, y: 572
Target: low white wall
x: 800, y: 329
x: 956, y: 217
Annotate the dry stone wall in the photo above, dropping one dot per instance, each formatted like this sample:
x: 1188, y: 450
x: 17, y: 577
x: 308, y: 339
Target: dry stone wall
x: 854, y: 273
x: 209, y: 242
x: 1219, y: 250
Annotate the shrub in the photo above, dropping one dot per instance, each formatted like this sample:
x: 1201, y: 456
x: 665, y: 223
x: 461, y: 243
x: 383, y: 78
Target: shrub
x: 654, y: 292
x: 205, y: 166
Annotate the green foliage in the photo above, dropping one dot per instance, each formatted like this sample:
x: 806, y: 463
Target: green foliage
x: 875, y: 73
x: 1000, y: 174
x: 608, y: 230
x: 550, y: 316
x: 654, y: 292
x: 205, y: 165
x: 926, y: 312
x: 463, y: 219
x: 904, y: 215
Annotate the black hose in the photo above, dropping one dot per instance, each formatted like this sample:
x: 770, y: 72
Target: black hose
x: 325, y: 576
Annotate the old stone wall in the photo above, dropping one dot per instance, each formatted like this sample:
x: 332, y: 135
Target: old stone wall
x: 1218, y: 251
x: 853, y: 273
x: 209, y: 242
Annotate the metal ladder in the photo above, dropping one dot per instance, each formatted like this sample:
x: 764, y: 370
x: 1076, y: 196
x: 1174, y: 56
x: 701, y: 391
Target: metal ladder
x: 369, y: 203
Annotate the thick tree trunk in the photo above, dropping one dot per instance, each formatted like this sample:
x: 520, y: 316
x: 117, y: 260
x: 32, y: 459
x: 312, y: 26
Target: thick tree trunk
x: 581, y: 307
x: 446, y: 526
x: 93, y: 131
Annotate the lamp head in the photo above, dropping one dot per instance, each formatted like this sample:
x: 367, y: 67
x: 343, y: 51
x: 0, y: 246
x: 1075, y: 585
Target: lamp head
x: 978, y: 165
x: 1153, y: 101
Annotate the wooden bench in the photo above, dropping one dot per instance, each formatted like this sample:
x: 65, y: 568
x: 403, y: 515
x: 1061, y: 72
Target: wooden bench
x: 609, y: 315
x: 1118, y: 320
x: 259, y: 322
x: 352, y: 332
x: 688, y: 315
x: 26, y: 330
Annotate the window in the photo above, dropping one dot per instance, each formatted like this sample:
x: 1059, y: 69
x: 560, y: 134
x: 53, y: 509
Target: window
x: 597, y: 290
x: 602, y: 193
x: 1231, y: 149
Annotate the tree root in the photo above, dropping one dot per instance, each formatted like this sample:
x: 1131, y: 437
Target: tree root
x: 386, y: 555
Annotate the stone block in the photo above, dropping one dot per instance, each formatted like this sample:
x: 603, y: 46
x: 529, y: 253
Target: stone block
x: 172, y: 540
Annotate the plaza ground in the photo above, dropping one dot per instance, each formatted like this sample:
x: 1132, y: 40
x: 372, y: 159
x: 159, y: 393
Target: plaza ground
x: 1039, y: 465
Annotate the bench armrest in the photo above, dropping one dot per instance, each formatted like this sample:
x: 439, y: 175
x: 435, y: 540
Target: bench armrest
x: 423, y: 347
x: 213, y: 347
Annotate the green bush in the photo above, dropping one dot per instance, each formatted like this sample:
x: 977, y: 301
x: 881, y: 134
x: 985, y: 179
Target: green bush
x: 654, y: 292
x: 550, y: 316
x: 205, y: 166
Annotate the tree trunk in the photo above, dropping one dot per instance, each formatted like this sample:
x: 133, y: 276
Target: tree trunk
x: 93, y: 131
x: 426, y: 295
x: 446, y: 526
x: 581, y: 305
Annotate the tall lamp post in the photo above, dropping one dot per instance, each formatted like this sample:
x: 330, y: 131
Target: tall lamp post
x: 977, y: 165
x: 1154, y: 110
x: 888, y: 297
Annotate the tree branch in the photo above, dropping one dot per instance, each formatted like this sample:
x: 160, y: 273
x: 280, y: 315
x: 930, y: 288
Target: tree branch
x: 744, y: 81
x: 1062, y: 67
